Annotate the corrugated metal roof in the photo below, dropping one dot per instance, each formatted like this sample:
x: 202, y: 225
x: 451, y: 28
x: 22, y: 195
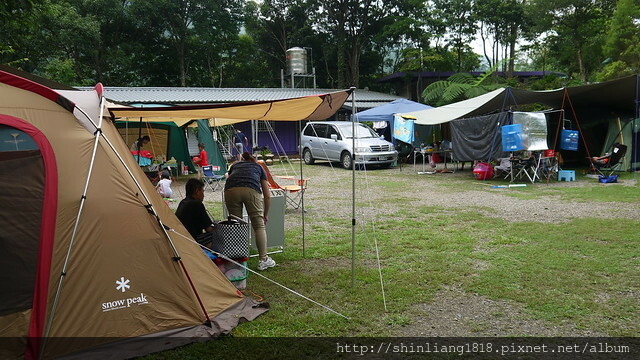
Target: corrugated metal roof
x: 191, y: 95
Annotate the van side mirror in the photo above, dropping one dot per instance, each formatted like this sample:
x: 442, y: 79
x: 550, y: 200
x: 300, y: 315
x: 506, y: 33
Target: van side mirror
x: 334, y: 137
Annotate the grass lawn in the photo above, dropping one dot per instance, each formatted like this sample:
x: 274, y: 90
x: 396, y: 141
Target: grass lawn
x: 584, y: 271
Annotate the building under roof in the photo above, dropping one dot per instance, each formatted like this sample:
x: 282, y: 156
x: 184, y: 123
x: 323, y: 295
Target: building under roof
x: 140, y: 96
x: 287, y: 132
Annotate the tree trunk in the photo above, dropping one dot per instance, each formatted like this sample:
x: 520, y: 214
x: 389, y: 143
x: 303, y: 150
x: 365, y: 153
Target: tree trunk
x: 181, y: 67
x: 342, y: 62
x: 583, y: 76
x: 512, y: 49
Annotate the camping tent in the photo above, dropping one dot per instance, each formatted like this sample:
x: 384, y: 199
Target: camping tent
x: 592, y: 107
x: 167, y: 139
x: 93, y: 260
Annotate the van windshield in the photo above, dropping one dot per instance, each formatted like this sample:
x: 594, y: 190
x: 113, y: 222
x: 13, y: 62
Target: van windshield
x: 362, y: 132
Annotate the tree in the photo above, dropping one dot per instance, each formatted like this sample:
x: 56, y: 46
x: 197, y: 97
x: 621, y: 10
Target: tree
x: 460, y: 21
x: 276, y: 26
x: 622, y: 45
x: 199, y: 31
x: 501, y: 23
x: 576, y: 32
x: 352, y: 25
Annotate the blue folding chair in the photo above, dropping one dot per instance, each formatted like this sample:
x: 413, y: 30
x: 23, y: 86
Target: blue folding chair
x: 210, y: 179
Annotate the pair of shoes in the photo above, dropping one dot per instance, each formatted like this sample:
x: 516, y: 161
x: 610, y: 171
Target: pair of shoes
x: 266, y: 263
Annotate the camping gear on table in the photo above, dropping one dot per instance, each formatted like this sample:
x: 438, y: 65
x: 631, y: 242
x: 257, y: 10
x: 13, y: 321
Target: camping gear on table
x: 231, y: 238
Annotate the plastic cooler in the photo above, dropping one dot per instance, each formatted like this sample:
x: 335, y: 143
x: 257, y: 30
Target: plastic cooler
x: 569, y: 140
x: 512, y: 137
x: 483, y: 171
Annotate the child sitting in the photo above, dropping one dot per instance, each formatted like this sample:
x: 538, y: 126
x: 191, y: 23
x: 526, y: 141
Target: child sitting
x: 164, y: 185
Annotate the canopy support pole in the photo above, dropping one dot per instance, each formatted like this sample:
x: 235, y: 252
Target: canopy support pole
x: 353, y: 187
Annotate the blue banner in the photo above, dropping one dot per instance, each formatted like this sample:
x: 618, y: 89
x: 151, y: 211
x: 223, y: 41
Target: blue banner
x: 403, y: 129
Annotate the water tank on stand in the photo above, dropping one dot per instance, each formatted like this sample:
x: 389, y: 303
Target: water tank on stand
x: 296, y: 61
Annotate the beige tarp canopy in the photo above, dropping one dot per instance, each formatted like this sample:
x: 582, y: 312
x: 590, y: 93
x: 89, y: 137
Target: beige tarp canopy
x: 315, y: 107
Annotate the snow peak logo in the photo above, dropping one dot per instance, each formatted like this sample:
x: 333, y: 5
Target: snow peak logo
x: 123, y: 285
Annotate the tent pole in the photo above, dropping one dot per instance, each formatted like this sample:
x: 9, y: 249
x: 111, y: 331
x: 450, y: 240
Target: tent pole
x: 83, y: 199
x: 634, y: 129
x: 138, y: 141
x: 353, y: 186
x: 302, y: 195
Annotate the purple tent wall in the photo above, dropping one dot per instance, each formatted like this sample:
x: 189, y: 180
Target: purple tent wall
x: 286, y: 132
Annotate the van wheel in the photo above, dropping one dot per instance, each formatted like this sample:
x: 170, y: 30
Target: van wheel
x: 345, y: 159
x: 307, y: 157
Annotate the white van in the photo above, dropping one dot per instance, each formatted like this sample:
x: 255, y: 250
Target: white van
x: 333, y: 141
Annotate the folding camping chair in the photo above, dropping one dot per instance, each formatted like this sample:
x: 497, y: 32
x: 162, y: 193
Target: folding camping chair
x: 503, y: 169
x: 293, y: 193
x: 614, y: 162
x: 210, y: 179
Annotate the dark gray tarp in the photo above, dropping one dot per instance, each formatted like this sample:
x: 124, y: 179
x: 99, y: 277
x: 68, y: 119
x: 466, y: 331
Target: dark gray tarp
x: 478, y: 138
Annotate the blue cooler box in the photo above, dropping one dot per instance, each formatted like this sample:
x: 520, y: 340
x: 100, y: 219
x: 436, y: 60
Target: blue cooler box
x: 512, y: 137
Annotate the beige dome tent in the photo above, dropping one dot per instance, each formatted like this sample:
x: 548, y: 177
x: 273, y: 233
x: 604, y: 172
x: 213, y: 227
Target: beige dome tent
x: 93, y: 261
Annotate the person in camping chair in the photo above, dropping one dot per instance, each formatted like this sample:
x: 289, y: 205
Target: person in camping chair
x: 193, y: 215
x: 603, y: 160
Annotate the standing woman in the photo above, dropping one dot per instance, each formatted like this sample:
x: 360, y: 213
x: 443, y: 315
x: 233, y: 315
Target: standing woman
x: 247, y: 186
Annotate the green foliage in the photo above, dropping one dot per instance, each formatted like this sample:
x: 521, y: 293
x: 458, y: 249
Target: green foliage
x: 461, y: 86
x: 355, y: 42
x: 622, y: 44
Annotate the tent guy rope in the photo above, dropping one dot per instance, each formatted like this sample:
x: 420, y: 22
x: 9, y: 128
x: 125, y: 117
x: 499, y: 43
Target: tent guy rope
x: 260, y: 275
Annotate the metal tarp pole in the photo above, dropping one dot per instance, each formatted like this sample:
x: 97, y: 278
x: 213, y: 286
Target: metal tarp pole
x: 353, y: 187
x: 302, y: 198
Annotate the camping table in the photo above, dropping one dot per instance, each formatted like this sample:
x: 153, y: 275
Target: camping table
x: 415, y: 153
x: 171, y: 165
x: 425, y: 153
x: 444, y: 156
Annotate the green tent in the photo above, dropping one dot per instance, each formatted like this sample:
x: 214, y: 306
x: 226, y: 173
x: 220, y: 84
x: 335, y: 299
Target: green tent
x: 167, y: 139
x: 211, y: 146
x: 622, y: 131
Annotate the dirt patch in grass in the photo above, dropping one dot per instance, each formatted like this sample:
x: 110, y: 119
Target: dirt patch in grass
x: 455, y: 313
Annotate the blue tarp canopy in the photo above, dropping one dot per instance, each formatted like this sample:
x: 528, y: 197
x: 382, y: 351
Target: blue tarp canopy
x: 385, y: 112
